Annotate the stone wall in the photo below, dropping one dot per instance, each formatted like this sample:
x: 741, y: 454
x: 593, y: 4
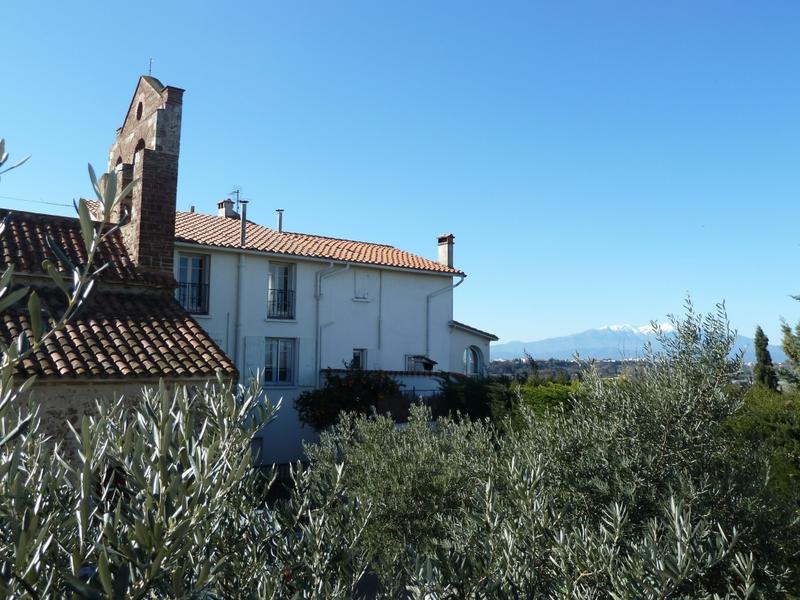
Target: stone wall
x: 62, y: 402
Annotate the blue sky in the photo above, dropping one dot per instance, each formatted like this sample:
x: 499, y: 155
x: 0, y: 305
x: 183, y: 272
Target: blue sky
x: 596, y: 161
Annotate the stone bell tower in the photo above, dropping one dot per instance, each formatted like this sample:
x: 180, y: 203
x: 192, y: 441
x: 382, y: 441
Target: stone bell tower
x: 147, y: 149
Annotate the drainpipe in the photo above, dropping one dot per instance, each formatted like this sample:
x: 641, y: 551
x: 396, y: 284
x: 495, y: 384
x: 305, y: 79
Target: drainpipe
x: 428, y: 312
x: 380, y: 309
x: 238, y: 349
x: 322, y: 274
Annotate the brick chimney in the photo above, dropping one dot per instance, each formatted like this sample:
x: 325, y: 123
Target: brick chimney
x: 446, y: 249
x: 147, y: 149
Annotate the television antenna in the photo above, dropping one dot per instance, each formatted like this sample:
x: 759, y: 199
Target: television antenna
x: 236, y: 191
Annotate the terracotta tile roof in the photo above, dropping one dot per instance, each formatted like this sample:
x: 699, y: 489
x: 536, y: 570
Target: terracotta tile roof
x: 124, y: 330
x: 210, y: 230
x: 120, y: 334
x: 24, y: 245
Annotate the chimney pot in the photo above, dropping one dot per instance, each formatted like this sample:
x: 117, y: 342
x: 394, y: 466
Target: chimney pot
x: 243, y: 228
x: 446, y: 249
x: 172, y: 95
x: 225, y: 209
x: 280, y: 218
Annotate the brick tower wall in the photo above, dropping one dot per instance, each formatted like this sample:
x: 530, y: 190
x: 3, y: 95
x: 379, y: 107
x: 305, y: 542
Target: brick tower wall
x: 150, y: 234
x: 146, y: 149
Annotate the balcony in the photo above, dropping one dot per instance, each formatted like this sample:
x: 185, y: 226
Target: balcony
x: 193, y: 297
x: 280, y: 304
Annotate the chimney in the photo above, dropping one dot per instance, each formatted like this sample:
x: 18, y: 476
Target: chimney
x: 243, y: 230
x: 280, y: 218
x: 446, y: 249
x: 225, y: 209
x: 146, y: 149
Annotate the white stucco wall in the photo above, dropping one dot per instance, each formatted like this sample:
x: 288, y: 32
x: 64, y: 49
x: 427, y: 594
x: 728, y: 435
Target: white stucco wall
x: 378, y: 309
x: 460, y: 340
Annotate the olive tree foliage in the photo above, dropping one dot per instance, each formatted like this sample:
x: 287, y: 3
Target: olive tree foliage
x: 163, y: 501
x: 638, y: 489
x: 28, y: 473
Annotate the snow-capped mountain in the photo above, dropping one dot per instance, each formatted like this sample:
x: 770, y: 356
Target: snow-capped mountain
x: 615, y: 342
x: 644, y: 329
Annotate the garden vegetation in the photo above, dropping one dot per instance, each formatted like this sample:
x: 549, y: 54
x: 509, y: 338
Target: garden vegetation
x: 669, y: 484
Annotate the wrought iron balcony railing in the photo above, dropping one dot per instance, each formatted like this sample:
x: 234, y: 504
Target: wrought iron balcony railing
x: 280, y: 304
x: 193, y: 297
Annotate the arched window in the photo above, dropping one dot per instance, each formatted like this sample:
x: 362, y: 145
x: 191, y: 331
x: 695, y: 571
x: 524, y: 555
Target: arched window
x: 473, y: 361
x: 119, y: 161
x: 139, y: 146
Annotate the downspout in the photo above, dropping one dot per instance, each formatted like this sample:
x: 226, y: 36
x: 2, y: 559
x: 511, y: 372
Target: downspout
x: 238, y: 353
x: 428, y: 312
x: 380, y: 308
x: 322, y: 274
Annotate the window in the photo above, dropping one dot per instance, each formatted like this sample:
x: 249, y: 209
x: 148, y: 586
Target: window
x: 280, y: 291
x: 363, y: 284
x: 359, y: 358
x: 473, y: 363
x: 192, y: 291
x: 279, y: 361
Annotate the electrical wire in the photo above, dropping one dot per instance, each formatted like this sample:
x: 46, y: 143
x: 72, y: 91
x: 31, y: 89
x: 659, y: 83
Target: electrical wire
x: 34, y: 201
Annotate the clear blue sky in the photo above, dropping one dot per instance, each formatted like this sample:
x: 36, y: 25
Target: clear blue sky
x: 595, y: 161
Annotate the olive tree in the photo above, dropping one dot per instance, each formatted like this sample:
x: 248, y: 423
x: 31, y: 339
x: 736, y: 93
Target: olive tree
x: 637, y: 489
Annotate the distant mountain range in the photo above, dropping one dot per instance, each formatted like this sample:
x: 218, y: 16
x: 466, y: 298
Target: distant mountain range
x: 616, y: 342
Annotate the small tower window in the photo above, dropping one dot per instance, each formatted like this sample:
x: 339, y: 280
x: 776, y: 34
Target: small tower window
x: 139, y: 146
x: 139, y: 111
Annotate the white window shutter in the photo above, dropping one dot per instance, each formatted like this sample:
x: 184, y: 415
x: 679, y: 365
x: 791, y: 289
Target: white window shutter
x: 253, y: 357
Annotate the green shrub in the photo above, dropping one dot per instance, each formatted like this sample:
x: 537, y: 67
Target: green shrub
x: 543, y: 396
x: 415, y: 483
x: 356, y: 391
x: 639, y: 490
x: 772, y: 419
x: 478, y: 398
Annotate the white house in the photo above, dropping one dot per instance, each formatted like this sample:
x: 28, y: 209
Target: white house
x: 288, y: 305
x: 292, y: 305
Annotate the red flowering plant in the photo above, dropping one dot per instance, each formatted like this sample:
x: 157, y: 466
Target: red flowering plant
x: 350, y: 391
